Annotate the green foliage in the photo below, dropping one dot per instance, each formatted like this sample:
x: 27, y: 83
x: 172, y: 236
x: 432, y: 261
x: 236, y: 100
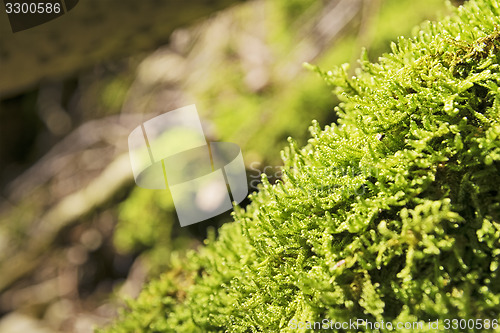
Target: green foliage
x: 392, y: 214
x: 259, y: 122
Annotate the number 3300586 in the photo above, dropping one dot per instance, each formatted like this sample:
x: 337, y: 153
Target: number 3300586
x: 33, y: 8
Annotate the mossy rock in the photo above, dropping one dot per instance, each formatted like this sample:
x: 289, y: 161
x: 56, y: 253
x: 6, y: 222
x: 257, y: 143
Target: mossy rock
x: 392, y: 214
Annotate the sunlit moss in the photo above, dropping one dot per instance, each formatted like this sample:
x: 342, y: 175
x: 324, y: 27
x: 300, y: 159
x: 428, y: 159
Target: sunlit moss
x: 259, y: 122
x: 392, y: 214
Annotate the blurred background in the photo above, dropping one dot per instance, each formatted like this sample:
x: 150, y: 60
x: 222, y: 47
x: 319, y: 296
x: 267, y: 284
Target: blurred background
x: 76, y: 235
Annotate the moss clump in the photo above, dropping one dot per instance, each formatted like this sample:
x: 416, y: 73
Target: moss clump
x: 392, y: 215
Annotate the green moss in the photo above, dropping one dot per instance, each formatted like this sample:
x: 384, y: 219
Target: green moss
x: 392, y: 214
x: 261, y: 121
